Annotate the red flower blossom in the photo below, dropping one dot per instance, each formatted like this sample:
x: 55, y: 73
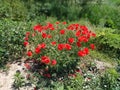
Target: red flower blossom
x: 71, y: 40
x: 37, y: 27
x: 27, y: 34
x: 43, y: 45
x: 37, y: 50
x: 88, y: 36
x: 61, y: 46
x: 53, y: 62
x: 53, y: 43
x: 29, y: 53
x: 45, y: 60
x: 39, y: 46
x: 49, y: 36
x: 81, y: 53
x: 92, y: 46
x: 86, y: 51
x: 57, y: 22
x: 50, y: 26
x: 62, y: 31
x: 26, y: 38
x: 26, y: 43
x: 84, y: 28
x: 84, y: 32
x: 78, y: 33
x: 64, y: 23
x: 81, y: 38
x: 78, y: 44
x: 44, y: 35
x: 93, y: 35
x: 85, y: 40
x: 68, y: 46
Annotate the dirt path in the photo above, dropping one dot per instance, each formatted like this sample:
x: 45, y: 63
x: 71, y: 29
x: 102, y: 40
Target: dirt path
x: 7, y: 78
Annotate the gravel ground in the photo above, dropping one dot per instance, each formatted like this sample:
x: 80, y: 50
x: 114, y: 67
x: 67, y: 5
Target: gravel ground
x: 7, y: 78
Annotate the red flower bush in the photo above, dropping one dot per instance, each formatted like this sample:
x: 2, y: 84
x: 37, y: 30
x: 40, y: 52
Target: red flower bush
x: 58, y: 47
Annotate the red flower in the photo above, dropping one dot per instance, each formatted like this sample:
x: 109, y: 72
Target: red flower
x: 44, y: 35
x: 61, y: 46
x: 68, y: 46
x: 27, y: 34
x: 37, y: 27
x: 62, y: 31
x: 78, y: 44
x: 43, y: 45
x: 53, y: 62
x: 50, y: 26
x: 78, y: 33
x: 71, y: 40
x: 37, y: 50
x: 53, y: 43
x: 93, y: 35
x: 49, y: 36
x: 26, y: 38
x: 57, y: 22
x: 86, y: 51
x: 81, y: 53
x: 85, y: 40
x: 39, y: 46
x: 27, y: 65
x: 29, y: 53
x: 45, y: 60
x: 84, y: 28
x: 81, y: 38
x: 26, y: 43
x: 64, y: 23
x: 92, y: 46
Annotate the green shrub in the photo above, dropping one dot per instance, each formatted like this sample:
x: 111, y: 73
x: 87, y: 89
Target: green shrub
x: 11, y: 38
x: 108, y: 41
x: 105, y: 14
x: 109, y: 80
x: 13, y: 9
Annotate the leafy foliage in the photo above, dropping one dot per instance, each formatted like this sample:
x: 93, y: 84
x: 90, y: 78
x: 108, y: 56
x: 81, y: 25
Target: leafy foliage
x: 108, y: 41
x: 18, y: 80
x: 11, y: 38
